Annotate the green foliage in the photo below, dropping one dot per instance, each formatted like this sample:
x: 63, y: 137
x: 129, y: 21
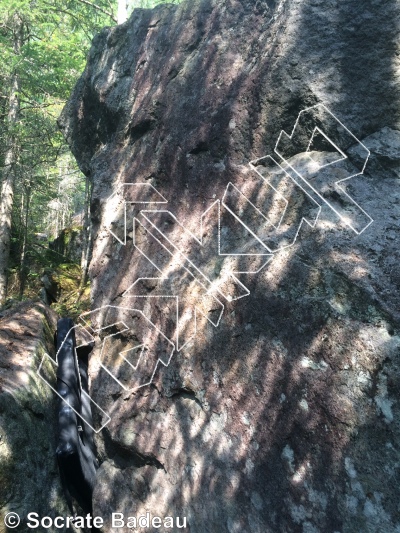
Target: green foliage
x: 73, y: 300
x: 44, y: 43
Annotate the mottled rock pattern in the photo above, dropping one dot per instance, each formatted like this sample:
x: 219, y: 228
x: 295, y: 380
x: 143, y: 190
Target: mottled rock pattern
x: 29, y: 480
x: 285, y: 418
x: 67, y: 246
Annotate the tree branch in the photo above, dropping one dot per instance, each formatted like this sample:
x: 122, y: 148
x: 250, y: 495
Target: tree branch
x: 70, y: 14
x: 99, y: 8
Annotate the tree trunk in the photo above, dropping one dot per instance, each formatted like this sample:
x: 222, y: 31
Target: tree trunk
x: 86, y: 235
x: 8, y: 174
x: 23, y: 264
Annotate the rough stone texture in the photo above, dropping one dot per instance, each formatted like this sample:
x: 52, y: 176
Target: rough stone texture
x: 68, y: 244
x: 285, y: 417
x: 29, y: 479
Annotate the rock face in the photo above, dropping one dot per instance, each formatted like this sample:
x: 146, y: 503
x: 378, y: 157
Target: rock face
x: 68, y: 244
x: 280, y: 412
x: 28, y: 467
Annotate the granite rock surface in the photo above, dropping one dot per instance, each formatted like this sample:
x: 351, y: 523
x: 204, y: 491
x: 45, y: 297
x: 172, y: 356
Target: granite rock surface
x: 280, y: 412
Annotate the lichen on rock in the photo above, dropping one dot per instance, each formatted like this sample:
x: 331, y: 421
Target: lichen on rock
x: 28, y: 467
x: 283, y: 417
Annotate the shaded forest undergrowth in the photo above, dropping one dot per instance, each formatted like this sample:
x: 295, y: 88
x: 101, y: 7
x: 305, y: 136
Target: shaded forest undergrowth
x: 54, y: 275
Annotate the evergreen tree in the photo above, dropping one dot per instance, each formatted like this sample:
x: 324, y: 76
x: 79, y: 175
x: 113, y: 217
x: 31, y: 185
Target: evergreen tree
x: 44, y: 45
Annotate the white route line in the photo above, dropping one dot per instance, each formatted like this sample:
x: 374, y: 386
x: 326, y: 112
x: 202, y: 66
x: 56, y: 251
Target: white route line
x: 303, y: 219
x: 120, y: 308
x: 169, y: 252
x: 136, y: 191
x: 119, y: 195
x: 55, y: 363
x: 368, y: 153
x: 187, y: 259
x: 245, y: 225
x: 178, y: 299
x: 344, y: 156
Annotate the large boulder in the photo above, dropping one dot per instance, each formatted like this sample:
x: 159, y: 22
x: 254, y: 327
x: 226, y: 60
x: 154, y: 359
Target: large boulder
x: 280, y: 414
x: 29, y: 480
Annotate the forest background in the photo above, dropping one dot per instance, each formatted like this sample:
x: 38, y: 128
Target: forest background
x: 44, y: 198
